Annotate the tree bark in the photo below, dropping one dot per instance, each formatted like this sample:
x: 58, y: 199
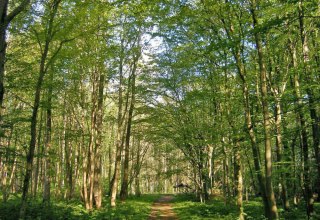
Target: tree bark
x: 39, y: 159
x: 5, y: 167
x: 236, y: 51
x: 279, y: 148
x: 272, y: 212
x: 97, y: 187
x: 238, y: 179
x: 125, y: 178
x: 91, y: 154
x: 47, y: 164
x: 307, y: 73
x: 5, y: 20
x: 304, y: 134
x: 119, y: 144
x: 68, y: 152
x: 33, y: 130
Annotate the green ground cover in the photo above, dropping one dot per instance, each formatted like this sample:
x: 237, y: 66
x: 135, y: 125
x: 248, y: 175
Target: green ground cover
x: 187, y: 207
x: 134, y: 208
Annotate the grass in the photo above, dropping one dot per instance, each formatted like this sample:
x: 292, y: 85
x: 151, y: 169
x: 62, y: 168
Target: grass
x: 187, y: 207
x: 134, y: 208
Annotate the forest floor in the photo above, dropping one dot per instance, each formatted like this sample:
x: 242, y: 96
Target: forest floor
x: 162, y: 209
x: 148, y: 206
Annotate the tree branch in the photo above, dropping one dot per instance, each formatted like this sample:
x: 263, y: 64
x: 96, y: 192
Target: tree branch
x: 17, y: 10
x: 56, y: 52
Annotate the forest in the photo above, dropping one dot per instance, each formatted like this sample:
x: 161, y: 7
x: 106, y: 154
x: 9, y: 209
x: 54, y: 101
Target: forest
x: 209, y: 109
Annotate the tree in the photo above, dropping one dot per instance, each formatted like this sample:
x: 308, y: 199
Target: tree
x: 272, y: 212
x: 5, y: 20
x: 52, y: 9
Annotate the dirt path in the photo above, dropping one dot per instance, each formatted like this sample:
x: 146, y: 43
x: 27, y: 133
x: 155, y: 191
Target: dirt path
x: 161, y: 209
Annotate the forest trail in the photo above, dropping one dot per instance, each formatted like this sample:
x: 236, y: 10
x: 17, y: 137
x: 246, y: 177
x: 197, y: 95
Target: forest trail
x: 162, y: 209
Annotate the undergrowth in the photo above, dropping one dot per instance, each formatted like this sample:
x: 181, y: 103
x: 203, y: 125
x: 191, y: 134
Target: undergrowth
x: 187, y: 207
x: 134, y: 208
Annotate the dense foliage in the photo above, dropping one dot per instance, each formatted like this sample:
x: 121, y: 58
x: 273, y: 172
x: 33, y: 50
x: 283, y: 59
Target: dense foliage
x: 128, y: 97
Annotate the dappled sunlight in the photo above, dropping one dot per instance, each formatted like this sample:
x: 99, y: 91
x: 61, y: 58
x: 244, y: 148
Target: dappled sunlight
x: 171, y: 109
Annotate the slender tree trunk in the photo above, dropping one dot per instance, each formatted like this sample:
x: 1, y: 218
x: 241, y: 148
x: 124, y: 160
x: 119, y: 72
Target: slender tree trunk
x: 36, y: 103
x: 304, y: 136
x: 91, y: 166
x: 12, y: 174
x: 279, y: 147
x: 91, y: 154
x: 39, y: 159
x: 47, y: 164
x: 250, y: 128
x: 33, y: 131
x: 277, y: 91
x: 272, y: 212
x: 7, y: 187
x: 311, y: 101
x: 3, y: 46
x: 68, y: 152
x: 238, y: 179
x: 137, y: 178
x: 110, y: 156
x: 63, y: 144
x: 119, y: 144
x: 97, y: 188
x: 125, y: 179
x: 84, y: 171
x: 5, y: 166
x: 225, y: 176
x: 248, y: 117
x: 294, y: 175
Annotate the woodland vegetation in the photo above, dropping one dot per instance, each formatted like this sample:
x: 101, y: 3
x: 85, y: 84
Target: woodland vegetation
x: 107, y: 99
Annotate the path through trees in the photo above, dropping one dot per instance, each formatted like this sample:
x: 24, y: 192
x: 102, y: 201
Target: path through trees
x: 104, y: 100
x: 162, y: 209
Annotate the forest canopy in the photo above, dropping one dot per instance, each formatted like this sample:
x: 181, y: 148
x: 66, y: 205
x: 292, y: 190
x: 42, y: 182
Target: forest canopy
x: 104, y: 99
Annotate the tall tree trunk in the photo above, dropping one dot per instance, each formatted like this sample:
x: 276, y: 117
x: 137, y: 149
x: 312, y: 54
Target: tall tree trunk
x: 47, y: 180
x: 84, y: 170
x: 272, y: 212
x: 279, y: 148
x: 225, y: 175
x: 97, y: 188
x: 91, y: 154
x: 110, y: 155
x: 91, y: 167
x: 39, y: 159
x: 294, y: 175
x: 304, y: 134
x: 236, y: 52
x: 5, y: 165
x: 33, y: 131
x: 119, y: 144
x: 248, y: 120
x: 137, y: 168
x: 238, y: 179
x: 68, y: 152
x: 307, y: 73
x: 277, y: 91
x: 125, y: 177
